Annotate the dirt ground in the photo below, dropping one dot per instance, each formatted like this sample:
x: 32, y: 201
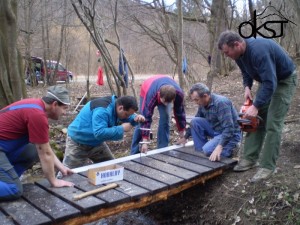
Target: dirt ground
x: 227, y: 200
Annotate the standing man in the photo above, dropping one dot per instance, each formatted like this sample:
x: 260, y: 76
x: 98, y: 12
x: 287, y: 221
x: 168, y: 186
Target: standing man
x: 214, y: 129
x: 159, y: 91
x: 265, y: 61
x: 100, y: 120
x: 24, y: 138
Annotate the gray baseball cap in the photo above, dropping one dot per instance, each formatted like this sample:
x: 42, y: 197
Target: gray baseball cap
x: 59, y: 93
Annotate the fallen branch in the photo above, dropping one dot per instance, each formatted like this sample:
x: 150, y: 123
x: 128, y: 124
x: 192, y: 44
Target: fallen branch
x: 291, y: 120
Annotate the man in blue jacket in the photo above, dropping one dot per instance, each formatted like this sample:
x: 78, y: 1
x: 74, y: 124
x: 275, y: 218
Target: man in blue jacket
x: 100, y: 120
x: 265, y: 61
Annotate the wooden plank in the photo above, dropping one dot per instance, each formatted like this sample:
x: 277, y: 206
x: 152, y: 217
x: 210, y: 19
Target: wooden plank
x: 134, y: 191
x: 85, y: 205
x: 24, y: 213
x: 152, y: 173
x: 5, y: 220
x: 55, y: 208
x: 111, y: 196
x: 168, y: 168
x: 127, y: 188
x: 195, y: 159
x: 191, y: 150
x: 182, y: 163
x: 144, y: 201
x: 152, y: 185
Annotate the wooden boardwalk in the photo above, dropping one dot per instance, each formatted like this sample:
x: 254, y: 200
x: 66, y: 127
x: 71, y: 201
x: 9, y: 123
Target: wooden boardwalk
x: 147, y: 179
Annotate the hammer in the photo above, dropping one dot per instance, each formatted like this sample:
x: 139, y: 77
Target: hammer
x: 98, y: 190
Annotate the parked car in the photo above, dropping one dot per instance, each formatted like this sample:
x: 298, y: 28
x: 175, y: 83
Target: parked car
x: 37, y: 67
x: 62, y: 73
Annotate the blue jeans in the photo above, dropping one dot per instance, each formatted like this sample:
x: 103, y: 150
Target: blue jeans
x: 163, y: 133
x: 206, y: 139
x: 12, y: 165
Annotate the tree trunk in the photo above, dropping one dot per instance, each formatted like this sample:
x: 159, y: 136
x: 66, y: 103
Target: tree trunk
x: 215, y: 28
x: 296, y: 4
x: 251, y: 10
x: 60, y: 41
x: 180, y: 44
x: 12, y: 85
x: 28, y: 63
x: 45, y: 41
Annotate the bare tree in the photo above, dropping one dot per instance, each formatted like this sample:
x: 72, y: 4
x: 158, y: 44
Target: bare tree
x: 11, y: 89
x: 62, y: 29
x: 296, y: 4
x: 162, y: 30
x: 165, y: 23
x: 251, y: 10
x: 45, y: 39
x: 27, y: 7
x: 180, y: 44
x: 90, y: 17
x: 218, y: 9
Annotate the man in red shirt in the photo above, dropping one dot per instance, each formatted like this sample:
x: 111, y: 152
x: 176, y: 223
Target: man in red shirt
x: 160, y: 91
x: 24, y: 138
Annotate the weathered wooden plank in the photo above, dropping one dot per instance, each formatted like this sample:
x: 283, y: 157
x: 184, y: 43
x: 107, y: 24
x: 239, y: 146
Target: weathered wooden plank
x: 112, y: 196
x: 144, y: 201
x: 5, y: 220
x: 131, y: 189
x: 181, y: 154
x: 153, y: 178
x: 145, y: 182
x: 55, y: 208
x: 168, y: 168
x: 182, y: 163
x: 152, y: 173
x: 24, y: 213
x: 191, y: 150
x: 85, y: 205
x: 128, y: 188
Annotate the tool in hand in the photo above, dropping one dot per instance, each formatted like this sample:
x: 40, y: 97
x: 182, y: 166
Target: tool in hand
x: 141, y: 143
x: 96, y: 191
x: 248, y: 124
x: 145, y: 142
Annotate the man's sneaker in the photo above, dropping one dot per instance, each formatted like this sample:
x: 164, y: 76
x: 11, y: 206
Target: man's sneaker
x: 244, y: 165
x: 262, y: 174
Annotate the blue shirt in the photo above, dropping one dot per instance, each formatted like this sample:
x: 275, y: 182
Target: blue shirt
x: 222, y: 116
x: 97, y: 122
x: 266, y: 62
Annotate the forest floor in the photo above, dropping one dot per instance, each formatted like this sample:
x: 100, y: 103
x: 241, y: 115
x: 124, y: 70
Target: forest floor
x: 229, y: 199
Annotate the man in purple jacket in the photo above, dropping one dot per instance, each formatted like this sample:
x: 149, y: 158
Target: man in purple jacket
x: 159, y: 91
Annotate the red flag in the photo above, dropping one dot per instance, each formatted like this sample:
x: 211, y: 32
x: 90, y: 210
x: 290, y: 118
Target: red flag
x: 100, y: 76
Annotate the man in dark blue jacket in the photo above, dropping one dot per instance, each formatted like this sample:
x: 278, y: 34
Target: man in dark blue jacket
x: 265, y: 61
x: 100, y: 120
